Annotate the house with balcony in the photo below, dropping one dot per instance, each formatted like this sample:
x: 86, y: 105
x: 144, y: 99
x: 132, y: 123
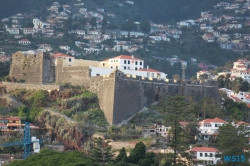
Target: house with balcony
x: 208, y: 128
x: 203, y: 156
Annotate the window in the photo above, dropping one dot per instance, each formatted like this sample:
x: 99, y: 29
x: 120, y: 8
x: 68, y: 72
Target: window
x: 216, y: 125
x: 200, y: 154
x: 128, y: 68
x: 128, y: 62
x: 152, y: 75
x: 136, y: 68
x: 111, y: 67
x: 136, y: 62
x: 116, y: 67
x: 125, y: 61
x: 211, y: 155
x: 148, y: 74
x: 151, y: 131
x: 140, y: 63
x: 111, y: 61
x: 103, y: 64
x: 116, y: 60
x: 124, y: 67
x: 206, y: 155
x: 69, y: 59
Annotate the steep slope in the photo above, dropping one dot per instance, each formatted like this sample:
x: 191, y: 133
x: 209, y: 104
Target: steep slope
x: 157, y: 10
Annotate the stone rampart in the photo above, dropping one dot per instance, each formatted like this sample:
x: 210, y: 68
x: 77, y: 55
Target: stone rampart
x: 30, y: 68
x: 132, y: 94
x: 120, y: 96
x: 12, y: 86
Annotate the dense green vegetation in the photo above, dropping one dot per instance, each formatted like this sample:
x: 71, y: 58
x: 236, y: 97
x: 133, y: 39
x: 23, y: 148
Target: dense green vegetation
x: 167, y: 10
x: 4, y: 69
x: 157, y: 11
x: 54, y: 158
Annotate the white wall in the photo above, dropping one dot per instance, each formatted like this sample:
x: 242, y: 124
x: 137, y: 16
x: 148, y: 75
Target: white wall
x: 95, y: 71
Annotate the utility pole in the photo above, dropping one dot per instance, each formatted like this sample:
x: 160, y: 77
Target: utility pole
x: 183, y: 67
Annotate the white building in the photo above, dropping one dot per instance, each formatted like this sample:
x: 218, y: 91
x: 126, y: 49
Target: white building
x: 38, y: 24
x: 13, y: 31
x: 209, y: 127
x: 47, y: 47
x: 241, y: 69
x: 123, y: 62
x: 24, y: 42
x: 68, y: 60
x: 205, y: 155
x: 132, y: 66
x: 27, y: 31
x: 203, y: 72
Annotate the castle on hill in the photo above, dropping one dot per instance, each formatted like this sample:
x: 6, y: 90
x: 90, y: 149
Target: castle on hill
x: 122, y: 83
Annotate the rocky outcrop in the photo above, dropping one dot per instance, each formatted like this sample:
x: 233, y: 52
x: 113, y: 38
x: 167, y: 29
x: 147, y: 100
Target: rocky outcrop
x: 72, y: 134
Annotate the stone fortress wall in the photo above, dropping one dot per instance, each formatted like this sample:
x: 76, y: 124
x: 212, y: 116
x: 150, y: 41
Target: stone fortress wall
x: 120, y: 96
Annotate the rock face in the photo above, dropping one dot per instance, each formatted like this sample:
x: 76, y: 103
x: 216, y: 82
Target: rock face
x: 66, y: 131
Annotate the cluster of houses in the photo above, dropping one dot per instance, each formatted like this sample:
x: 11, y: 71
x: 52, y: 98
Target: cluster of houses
x: 215, y: 27
x: 13, y: 124
x: 90, y: 39
x: 207, y: 129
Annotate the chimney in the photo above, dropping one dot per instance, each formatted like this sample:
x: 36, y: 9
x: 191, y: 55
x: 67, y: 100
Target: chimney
x: 147, y: 67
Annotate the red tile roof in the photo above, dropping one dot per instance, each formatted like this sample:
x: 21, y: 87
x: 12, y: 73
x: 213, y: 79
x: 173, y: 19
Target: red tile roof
x: 183, y: 123
x: 2, y: 124
x: 150, y: 70
x: 61, y: 55
x: 11, y: 118
x: 125, y: 57
x: 215, y: 120
x: 235, y: 98
x: 204, y: 149
x: 15, y: 124
x: 24, y: 40
x: 242, y: 123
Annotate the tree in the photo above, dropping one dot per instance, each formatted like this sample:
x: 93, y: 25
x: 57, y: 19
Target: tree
x: 60, y: 9
x: 104, y: 22
x: 176, y: 108
x: 23, y: 112
x: 129, y: 25
x: 93, y: 22
x: 137, y: 153
x: 101, y: 151
x: 232, y: 141
x: 149, y: 160
x: 145, y: 26
x: 177, y: 77
x: 122, y: 156
x: 83, y: 22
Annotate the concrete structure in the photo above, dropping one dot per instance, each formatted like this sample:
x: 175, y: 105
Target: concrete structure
x: 120, y: 95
